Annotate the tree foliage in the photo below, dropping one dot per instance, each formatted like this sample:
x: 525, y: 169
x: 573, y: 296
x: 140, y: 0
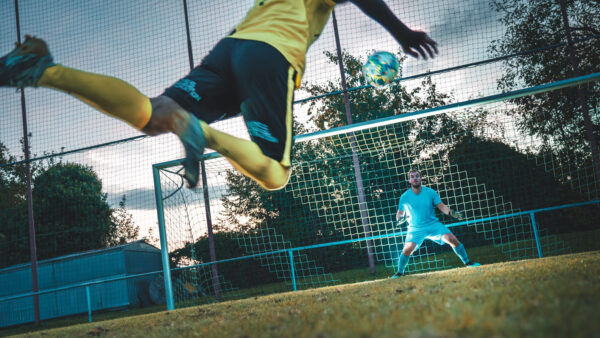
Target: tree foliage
x: 71, y: 213
x: 69, y: 205
x: 519, y: 180
x: 555, y: 117
x: 125, y: 229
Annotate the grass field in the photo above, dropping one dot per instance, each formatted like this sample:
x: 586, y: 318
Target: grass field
x: 550, y: 297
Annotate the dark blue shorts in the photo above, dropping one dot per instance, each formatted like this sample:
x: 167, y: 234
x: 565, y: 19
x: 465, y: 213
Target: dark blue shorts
x: 247, y: 77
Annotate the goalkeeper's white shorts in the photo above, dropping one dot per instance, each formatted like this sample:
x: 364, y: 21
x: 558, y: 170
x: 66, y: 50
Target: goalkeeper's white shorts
x: 433, y: 232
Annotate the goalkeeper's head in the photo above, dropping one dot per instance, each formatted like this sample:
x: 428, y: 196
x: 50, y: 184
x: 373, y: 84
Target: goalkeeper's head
x: 414, y: 178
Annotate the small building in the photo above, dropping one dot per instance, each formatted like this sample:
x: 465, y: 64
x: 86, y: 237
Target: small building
x: 95, y: 265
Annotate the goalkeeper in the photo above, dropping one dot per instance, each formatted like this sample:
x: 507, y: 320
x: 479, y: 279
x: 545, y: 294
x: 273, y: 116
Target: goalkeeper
x: 418, y: 202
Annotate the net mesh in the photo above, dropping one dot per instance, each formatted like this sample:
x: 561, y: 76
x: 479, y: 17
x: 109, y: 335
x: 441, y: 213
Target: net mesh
x: 345, y: 186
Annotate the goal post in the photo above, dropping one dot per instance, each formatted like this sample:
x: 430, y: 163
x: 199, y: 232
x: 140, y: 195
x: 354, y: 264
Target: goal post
x: 476, y: 154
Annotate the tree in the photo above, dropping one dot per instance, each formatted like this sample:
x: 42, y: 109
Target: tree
x: 125, y: 229
x: 556, y: 117
x: 70, y: 211
x: 517, y: 178
x: 14, y: 245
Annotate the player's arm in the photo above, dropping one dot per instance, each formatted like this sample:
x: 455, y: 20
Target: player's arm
x: 449, y: 212
x: 414, y: 43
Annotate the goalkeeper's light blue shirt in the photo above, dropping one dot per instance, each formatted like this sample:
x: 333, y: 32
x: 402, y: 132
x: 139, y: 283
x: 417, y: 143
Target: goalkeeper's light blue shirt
x: 420, y: 208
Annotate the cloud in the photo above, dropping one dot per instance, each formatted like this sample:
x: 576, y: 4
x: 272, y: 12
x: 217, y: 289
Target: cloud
x: 144, y: 199
x: 463, y: 19
x: 135, y: 199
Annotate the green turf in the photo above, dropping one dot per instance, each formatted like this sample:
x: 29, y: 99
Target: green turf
x: 554, y: 296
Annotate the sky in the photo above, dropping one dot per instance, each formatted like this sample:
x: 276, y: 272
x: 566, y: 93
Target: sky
x: 144, y: 42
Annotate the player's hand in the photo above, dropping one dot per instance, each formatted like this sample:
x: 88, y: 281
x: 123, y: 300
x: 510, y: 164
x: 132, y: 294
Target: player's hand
x: 456, y: 215
x: 415, y: 43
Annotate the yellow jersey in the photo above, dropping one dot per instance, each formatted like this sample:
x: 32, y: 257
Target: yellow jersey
x: 290, y: 26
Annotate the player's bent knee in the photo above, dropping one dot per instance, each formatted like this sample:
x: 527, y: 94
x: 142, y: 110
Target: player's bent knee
x: 277, y: 178
x: 274, y: 184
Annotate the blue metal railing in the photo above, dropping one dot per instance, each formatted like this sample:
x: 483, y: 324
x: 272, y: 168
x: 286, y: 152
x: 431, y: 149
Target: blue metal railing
x: 80, y: 285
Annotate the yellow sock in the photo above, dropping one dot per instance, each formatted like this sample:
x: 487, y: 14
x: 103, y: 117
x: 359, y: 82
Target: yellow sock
x: 110, y: 95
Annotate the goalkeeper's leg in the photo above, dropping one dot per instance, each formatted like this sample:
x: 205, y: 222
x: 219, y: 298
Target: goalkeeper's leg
x: 459, y: 249
x: 409, y: 248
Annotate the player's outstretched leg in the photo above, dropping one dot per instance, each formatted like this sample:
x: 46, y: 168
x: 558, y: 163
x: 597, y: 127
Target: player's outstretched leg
x: 30, y: 64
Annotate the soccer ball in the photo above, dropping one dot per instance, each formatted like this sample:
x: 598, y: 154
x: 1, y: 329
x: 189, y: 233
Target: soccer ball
x: 380, y: 69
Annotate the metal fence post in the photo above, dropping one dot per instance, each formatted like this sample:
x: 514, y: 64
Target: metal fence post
x: 537, y: 237
x: 362, y: 202
x: 89, y: 303
x: 290, y: 253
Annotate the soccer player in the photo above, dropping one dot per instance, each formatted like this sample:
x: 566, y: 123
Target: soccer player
x: 253, y: 71
x: 418, y: 203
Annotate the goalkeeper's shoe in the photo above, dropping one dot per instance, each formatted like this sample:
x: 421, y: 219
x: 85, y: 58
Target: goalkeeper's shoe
x: 193, y: 142
x: 24, y: 65
x: 397, y: 275
x: 472, y: 264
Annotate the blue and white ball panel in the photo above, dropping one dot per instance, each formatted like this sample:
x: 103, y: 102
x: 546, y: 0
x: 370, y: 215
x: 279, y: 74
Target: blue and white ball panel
x: 380, y: 69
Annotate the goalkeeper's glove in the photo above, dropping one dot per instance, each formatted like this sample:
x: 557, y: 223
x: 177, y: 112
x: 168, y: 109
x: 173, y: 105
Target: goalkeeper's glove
x: 456, y: 215
x: 402, y: 220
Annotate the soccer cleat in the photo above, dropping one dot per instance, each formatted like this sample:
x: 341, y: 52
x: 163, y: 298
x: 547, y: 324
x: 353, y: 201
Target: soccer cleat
x: 397, y: 275
x: 193, y: 143
x: 24, y: 65
x: 472, y: 264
